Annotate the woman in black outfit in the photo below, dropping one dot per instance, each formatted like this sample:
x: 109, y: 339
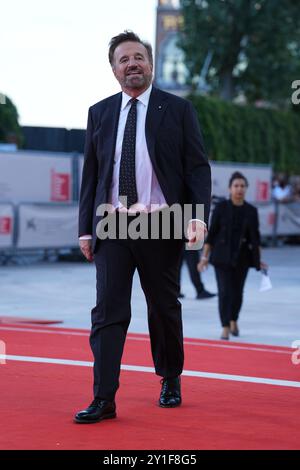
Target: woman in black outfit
x: 232, y: 247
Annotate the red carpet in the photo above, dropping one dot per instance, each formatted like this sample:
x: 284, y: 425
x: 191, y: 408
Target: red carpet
x: 38, y: 400
x: 37, y: 321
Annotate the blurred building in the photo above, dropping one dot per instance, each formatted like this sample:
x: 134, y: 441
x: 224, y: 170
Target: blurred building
x: 170, y: 75
x: 170, y: 69
x: 53, y: 139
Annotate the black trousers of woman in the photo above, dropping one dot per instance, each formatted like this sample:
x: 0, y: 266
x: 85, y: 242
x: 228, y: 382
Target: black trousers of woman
x: 231, y: 283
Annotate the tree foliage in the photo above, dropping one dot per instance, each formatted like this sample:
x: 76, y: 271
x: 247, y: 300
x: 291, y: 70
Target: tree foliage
x: 255, y: 46
x: 9, y: 126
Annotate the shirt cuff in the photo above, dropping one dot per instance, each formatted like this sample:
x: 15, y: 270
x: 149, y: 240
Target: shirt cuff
x: 198, y: 220
x: 86, y: 237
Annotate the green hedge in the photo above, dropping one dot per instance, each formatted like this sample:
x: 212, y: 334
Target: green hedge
x: 248, y: 134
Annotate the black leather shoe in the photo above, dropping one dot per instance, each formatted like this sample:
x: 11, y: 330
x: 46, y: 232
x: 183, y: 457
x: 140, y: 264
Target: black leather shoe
x: 170, y: 395
x: 204, y: 294
x: 98, y: 410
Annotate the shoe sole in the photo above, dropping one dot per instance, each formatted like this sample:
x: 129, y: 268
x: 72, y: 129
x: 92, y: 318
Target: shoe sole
x: 168, y: 406
x: 205, y: 298
x: 108, y: 416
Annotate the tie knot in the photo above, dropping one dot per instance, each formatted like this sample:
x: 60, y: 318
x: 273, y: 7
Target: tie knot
x: 133, y: 101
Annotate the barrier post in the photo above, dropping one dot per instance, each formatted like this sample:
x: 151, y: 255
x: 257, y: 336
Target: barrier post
x: 275, y: 225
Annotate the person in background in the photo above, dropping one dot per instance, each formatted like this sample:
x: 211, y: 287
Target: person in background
x: 191, y: 257
x: 232, y: 247
x: 282, y: 191
x: 296, y: 191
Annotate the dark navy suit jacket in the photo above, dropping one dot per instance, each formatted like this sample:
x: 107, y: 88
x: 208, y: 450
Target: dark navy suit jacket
x: 175, y: 146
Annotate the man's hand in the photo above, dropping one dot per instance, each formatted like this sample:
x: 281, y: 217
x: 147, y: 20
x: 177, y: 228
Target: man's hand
x: 202, y: 265
x: 196, y: 233
x: 86, y: 249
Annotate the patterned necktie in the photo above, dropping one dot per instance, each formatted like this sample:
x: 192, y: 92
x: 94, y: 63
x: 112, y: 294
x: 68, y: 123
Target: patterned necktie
x: 127, y: 182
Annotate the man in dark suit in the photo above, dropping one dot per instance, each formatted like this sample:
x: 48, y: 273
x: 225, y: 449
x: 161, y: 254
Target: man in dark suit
x: 143, y: 150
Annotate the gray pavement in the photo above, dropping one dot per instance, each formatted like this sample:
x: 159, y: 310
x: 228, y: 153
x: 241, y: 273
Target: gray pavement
x: 66, y: 291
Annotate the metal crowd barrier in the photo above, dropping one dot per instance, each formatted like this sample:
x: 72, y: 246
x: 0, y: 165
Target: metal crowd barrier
x: 52, y: 227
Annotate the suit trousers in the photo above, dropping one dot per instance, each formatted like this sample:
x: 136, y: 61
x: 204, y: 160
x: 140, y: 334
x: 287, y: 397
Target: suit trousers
x: 192, y: 259
x: 231, y: 283
x: 157, y: 262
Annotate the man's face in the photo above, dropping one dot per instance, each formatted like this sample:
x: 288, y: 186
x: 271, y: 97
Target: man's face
x: 131, y: 66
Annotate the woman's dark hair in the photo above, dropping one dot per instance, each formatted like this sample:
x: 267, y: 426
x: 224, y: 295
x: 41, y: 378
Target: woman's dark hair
x: 127, y: 36
x: 237, y: 176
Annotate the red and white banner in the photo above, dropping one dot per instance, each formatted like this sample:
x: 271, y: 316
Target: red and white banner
x: 285, y: 216
x: 80, y: 169
x: 288, y: 221
x: 267, y: 217
x: 6, y: 225
x: 47, y: 226
x: 60, y: 186
x: 27, y: 176
x: 258, y: 176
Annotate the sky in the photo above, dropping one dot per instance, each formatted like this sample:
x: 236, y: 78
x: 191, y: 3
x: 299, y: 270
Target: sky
x: 53, y: 54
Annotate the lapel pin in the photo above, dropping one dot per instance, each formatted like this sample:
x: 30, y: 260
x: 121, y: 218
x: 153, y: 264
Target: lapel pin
x: 159, y: 107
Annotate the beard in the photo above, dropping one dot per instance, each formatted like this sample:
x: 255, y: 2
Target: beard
x: 141, y: 80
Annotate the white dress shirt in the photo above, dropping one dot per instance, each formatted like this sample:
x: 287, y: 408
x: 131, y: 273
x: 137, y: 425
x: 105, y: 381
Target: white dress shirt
x: 148, y: 189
